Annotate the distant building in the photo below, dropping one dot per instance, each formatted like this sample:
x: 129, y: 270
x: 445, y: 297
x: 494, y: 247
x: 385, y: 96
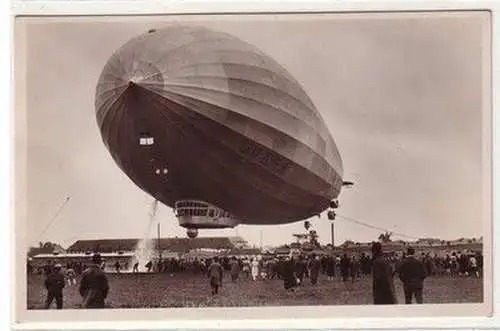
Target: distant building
x: 40, y: 260
x: 177, y: 245
x: 124, y: 250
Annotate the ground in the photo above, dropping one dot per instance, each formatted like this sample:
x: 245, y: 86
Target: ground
x: 165, y: 290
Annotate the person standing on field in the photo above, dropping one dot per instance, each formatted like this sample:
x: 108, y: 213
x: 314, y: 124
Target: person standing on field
x: 54, y: 284
x: 255, y: 269
x: 215, y: 273
x: 94, y: 285
x: 330, y: 267
x: 235, y: 269
x: 383, y: 284
x: 314, y: 267
x: 412, y: 273
x: 289, y: 276
x: 71, y: 277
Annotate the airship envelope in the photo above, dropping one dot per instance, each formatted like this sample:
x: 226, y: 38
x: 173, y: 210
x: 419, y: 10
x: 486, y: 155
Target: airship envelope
x: 191, y: 113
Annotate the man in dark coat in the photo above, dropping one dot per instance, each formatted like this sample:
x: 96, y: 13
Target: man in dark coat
x: 330, y: 267
x: 94, y: 285
x: 215, y: 273
x: 289, y: 276
x: 314, y: 267
x: 383, y: 284
x: 365, y: 264
x: 412, y: 273
x: 54, y: 284
x: 300, y: 269
x: 355, y: 268
x: 235, y: 269
x: 345, y: 267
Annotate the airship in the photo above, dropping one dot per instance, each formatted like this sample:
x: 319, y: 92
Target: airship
x: 217, y: 130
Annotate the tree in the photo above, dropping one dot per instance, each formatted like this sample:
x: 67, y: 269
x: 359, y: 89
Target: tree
x: 385, y: 237
x: 48, y: 245
x: 347, y: 243
x: 314, y: 238
x: 43, y: 248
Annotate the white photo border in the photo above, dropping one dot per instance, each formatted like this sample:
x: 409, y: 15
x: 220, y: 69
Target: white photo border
x: 195, y: 7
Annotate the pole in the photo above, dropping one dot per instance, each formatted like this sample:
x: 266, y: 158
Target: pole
x: 260, y: 239
x: 158, y: 240
x: 333, y: 235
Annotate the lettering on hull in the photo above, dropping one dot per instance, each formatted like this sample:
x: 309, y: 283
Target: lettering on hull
x: 262, y: 156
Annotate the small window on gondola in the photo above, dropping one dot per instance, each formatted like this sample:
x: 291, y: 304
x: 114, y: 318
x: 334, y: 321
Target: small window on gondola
x: 145, y: 139
x: 211, y: 213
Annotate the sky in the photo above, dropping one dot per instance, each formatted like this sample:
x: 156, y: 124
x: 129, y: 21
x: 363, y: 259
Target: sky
x: 402, y: 95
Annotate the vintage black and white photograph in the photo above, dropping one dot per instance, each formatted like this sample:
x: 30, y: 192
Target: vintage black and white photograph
x: 285, y: 160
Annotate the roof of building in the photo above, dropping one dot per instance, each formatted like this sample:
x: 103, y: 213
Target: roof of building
x: 170, y: 244
x: 80, y: 255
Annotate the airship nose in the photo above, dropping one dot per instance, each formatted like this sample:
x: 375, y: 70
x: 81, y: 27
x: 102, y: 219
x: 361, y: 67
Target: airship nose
x: 144, y: 73
x: 132, y: 83
x: 136, y: 79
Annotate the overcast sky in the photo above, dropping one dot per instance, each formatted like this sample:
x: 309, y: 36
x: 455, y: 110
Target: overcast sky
x: 401, y: 95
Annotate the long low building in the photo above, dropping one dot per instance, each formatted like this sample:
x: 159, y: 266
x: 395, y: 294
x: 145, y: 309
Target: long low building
x: 179, y: 245
x: 128, y: 251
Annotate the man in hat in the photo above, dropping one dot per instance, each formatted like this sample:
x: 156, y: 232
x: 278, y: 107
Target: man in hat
x: 314, y: 266
x: 215, y: 273
x: 235, y: 269
x: 345, y: 267
x: 54, y: 284
x: 412, y: 273
x: 383, y: 284
x: 330, y: 267
x: 94, y: 285
x: 289, y: 273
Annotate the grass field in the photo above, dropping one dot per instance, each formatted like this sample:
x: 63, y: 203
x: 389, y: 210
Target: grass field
x: 163, y: 290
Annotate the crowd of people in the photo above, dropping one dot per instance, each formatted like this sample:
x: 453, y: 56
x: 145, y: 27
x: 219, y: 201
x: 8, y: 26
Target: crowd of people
x: 293, y: 270
x: 346, y: 265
